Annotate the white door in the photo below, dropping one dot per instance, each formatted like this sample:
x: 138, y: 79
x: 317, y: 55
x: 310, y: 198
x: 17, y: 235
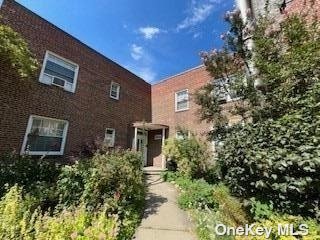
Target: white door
x: 142, y: 142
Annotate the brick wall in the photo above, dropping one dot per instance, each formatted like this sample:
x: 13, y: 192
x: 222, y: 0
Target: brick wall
x: 89, y: 110
x: 308, y: 7
x: 163, y: 101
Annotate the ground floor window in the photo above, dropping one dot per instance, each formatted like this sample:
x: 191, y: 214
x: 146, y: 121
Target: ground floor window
x: 45, y: 136
x: 109, y: 137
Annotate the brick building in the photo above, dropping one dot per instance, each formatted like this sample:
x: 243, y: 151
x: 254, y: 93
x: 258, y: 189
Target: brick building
x: 79, y: 95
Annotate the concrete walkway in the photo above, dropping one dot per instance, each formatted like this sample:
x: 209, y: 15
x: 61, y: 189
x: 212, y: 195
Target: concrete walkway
x: 163, y: 220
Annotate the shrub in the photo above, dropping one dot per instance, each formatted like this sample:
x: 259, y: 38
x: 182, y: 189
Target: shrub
x: 76, y: 224
x: 27, y: 172
x: 113, y: 178
x: 230, y: 210
x: 192, y: 155
x: 169, y: 176
x: 115, y: 175
x: 206, y: 221
x: 14, y: 215
x: 278, y: 161
x: 197, y: 194
x: 260, y: 210
x: 19, y: 221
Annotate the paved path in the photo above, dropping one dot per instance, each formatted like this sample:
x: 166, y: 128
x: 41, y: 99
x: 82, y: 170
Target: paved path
x: 163, y: 220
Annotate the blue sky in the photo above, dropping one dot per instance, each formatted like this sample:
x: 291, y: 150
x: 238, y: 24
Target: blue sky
x: 153, y: 39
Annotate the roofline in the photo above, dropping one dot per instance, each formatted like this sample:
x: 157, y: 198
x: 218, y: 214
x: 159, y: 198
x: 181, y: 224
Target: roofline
x: 71, y: 36
x: 178, y: 74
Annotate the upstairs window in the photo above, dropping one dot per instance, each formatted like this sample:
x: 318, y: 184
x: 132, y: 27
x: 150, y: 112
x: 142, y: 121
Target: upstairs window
x: 109, y: 137
x: 182, y: 100
x: 59, y: 72
x: 45, y: 136
x: 224, y: 89
x: 115, y: 90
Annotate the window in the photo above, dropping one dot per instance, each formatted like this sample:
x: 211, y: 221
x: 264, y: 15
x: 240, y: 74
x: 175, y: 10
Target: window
x: 59, y: 72
x: 181, y: 135
x: 45, y: 136
x: 182, y: 100
x: 224, y: 89
x: 109, y: 137
x: 115, y: 90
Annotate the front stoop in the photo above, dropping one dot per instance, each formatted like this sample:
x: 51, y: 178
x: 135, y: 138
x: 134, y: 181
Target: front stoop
x: 153, y: 170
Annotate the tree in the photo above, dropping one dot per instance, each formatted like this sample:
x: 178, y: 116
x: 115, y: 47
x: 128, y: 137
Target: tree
x: 15, y: 54
x: 286, y: 60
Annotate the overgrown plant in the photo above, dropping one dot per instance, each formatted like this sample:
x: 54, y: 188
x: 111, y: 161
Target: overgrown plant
x: 279, y: 69
x: 192, y: 155
x: 15, y: 53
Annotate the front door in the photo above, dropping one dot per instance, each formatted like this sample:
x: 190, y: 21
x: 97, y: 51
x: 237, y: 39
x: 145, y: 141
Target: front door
x: 142, y: 141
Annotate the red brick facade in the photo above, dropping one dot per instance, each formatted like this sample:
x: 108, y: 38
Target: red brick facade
x: 163, y: 101
x: 89, y: 110
x: 308, y: 7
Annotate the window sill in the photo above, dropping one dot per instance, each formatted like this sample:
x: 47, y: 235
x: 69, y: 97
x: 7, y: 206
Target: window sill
x: 182, y: 110
x: 33, y: 153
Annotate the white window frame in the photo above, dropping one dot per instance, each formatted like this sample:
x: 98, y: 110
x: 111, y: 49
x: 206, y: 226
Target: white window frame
x: 228, y: 97
x: 74, y: 85
x: 113, y: 136
x: 118, y: 90
x: 176, y: 101
x: 36, y: 153
x: 179, y: 138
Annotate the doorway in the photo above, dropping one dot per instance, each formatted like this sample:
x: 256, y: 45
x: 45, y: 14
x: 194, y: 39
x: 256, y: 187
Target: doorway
x: 142, y: 143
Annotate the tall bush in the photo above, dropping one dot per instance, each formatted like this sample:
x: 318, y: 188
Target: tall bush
x: 192, y: 155
x: 278, y: 160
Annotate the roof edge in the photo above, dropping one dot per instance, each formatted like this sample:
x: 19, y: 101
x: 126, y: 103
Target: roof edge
x: 73, y: 37
x: 178, y: 74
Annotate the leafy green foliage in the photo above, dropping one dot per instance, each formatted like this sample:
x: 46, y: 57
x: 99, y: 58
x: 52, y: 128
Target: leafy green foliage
x: 18, y: 221
x: 275, y: 220
x: 206, y: 220
x: 260, y: 210
x: 209, y: 205
x: 195, y: 194
x: 278, y: 160
x: 113, y: 178
x: 111, y: 175
x: 230, y: 210
x: 15, y: 53
x: 287, y: 57
x: 98, y: 198
x: 27, y: 172
x: 192, y: 155
x: 36, y: 176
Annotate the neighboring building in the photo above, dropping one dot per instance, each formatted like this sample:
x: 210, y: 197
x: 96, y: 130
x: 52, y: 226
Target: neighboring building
x: 279, y: 7
x: 173, y: 105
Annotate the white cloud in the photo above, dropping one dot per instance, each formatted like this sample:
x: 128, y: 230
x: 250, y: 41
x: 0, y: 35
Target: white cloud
x: 198, y: 14
x: 197, y: 35
x: 146, y: 73
x: 149, y: 32
x: 142, y: 66
x: 136, y: 52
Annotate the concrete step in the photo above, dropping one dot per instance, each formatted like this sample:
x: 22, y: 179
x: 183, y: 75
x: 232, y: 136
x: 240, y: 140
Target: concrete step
x: 153, y: 170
